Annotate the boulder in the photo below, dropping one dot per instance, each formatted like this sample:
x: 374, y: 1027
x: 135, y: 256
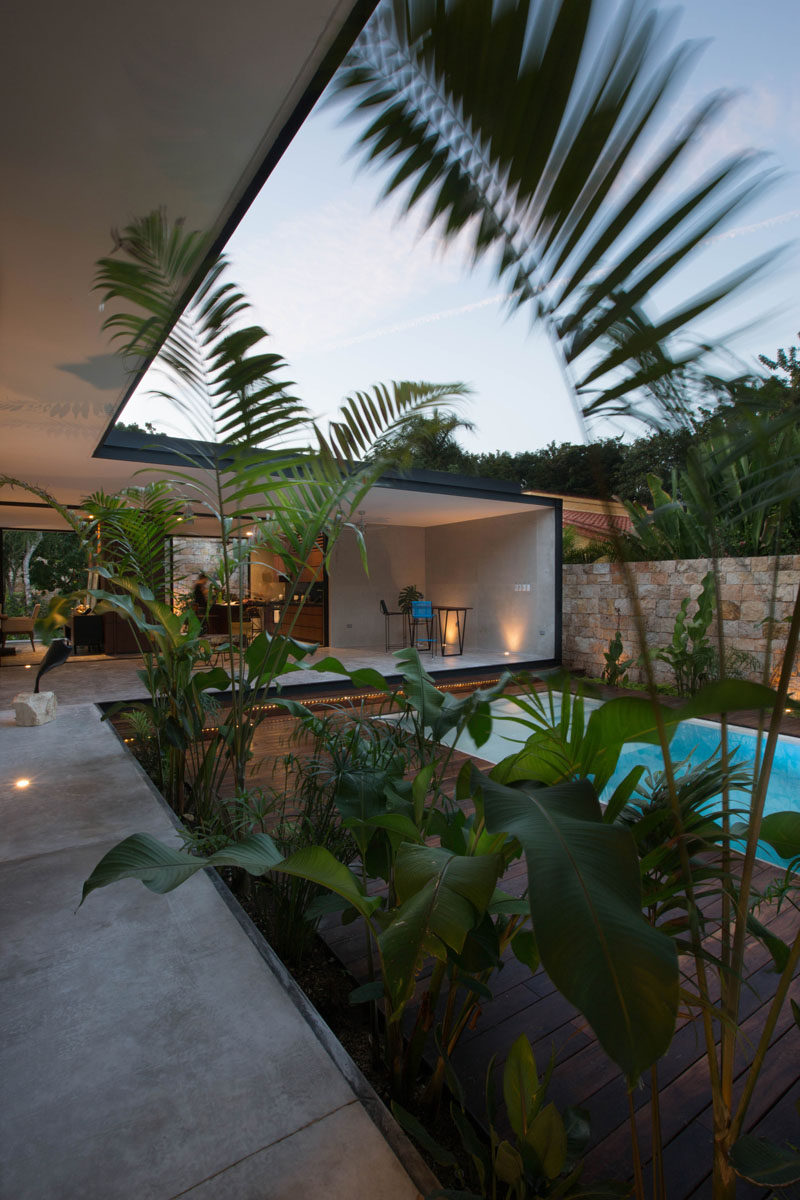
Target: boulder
x: 34, y: 708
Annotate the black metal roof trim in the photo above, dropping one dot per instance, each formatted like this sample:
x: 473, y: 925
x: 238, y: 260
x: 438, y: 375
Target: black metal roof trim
x: 163, y: 450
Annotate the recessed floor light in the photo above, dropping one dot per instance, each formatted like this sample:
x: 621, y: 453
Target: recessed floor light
x: 22, y: 783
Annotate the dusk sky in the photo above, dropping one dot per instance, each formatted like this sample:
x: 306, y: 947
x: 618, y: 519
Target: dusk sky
x: 352, y: 296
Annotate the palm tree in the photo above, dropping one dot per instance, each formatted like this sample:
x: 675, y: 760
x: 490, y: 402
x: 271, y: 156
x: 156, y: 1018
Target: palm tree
x: 427, y: 440
x: 257, y: 463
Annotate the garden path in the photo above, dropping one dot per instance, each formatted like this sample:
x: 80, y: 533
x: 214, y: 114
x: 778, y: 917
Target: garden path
x: 152, y: 1047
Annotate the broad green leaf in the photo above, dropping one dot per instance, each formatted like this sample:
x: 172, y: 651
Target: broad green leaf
x: 255, y: 854
x: 523, y: 944
x: 764, y: 1163
x: 782, y: 831
x: 508, y: 1165
x: 364, y: 677
x: 521, y: 1086
x: 140, y: 856
x: 420, y: 789
x: 472, y: 878
x: 161, y: 868
x: 318, y: 865
x: 622, y: 793
x: 777, y: 947
x: 418, y: 687
x: 479, y: 725
x: 441, y: 897
x: 396, y: 823
x: 368, y: 991
x: 419, y: 1133
x: 216, y: 678
x: 547, y: 1139
x: 586, y: 906
x: 511, y: 906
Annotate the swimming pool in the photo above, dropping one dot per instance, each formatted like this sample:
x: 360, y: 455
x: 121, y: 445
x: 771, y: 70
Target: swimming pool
x: 694, y: 740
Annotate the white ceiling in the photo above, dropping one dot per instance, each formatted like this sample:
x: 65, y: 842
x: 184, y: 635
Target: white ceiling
x: 110, y: 110
x: 394, y: 506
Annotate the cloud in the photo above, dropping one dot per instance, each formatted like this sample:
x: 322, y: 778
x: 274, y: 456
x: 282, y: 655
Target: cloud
x: 424, y: 319
x: 321, y: 277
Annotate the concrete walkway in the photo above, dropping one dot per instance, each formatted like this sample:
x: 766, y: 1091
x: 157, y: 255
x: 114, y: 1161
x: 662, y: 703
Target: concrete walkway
x: 150, y: 1049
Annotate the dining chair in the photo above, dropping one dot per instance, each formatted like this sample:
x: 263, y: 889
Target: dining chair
x: 19, y: 625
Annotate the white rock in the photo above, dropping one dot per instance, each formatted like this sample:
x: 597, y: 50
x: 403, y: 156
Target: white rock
x: 34, y: 708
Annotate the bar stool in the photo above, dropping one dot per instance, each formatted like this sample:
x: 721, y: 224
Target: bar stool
x: 422, y: 614
x: 386, y: 624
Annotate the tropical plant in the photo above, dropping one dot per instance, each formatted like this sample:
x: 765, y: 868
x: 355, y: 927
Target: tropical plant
x: 427, y: 442
x: 540, y: 1157
x: 407, y: 596
x: 574, y: 551
x: 691, y: 655
x: 521, y: 125
x: 438, y: 900
x: 615, y: 671
x: 338, y: 747
x: 246, y: 457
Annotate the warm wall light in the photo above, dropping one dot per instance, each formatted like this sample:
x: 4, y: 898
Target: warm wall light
x: 27, y: 666
x: 22, y: 783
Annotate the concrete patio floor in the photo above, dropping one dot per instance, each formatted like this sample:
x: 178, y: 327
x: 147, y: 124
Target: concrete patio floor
x: 97, y: 678
x: 150, y: 1049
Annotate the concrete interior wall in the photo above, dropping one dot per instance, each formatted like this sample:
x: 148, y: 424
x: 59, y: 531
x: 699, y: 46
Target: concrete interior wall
x: 504, y: 569
x: 481, y: 564
x: 396, y: 558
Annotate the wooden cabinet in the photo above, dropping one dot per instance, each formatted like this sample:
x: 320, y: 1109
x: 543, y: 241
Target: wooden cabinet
x: 309, y: 625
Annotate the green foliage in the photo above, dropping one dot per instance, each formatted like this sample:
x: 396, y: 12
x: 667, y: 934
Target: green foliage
x: 586, y: 906
x: 346, y: 745
x: 407, y: 596
x: 690, y: 655
x: 427, y: 441
x: 591, y: 551
x: 541, y: 1157
x: 764, y: 1163
x: 616, y: 668
x: 38, y: 563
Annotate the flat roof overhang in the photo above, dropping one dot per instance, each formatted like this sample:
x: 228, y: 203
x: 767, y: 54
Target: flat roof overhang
x: 410, y: 498
x: 107, y: 114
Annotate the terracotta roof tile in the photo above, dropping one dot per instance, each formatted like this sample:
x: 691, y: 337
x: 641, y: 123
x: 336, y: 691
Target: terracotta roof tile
x: 595, y: 522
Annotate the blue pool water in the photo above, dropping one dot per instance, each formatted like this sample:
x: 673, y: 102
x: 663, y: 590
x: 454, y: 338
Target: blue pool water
x: 694, y: 740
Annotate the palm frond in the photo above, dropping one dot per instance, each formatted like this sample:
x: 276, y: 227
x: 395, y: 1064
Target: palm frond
x: 523, y: 130
x: 216, y: 370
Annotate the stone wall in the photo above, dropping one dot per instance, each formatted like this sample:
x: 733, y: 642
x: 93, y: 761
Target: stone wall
x: 190, y: 556
x: 596, y: 600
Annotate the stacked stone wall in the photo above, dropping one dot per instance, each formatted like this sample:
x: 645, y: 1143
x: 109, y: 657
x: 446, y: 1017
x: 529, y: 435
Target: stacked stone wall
x: 190, y: 556
x: 597, y: 600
